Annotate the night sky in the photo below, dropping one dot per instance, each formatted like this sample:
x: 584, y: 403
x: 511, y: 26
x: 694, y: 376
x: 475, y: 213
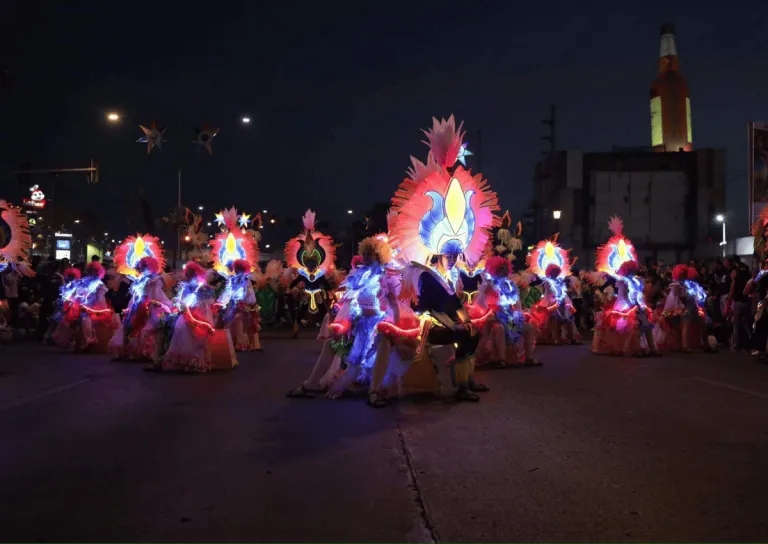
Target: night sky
x: 338, y: 92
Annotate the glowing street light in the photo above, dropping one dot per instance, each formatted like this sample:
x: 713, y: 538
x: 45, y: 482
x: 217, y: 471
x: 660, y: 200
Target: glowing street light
x: 272, y: 221
x: 720, y: 218
x: 209, y: 223
x: 246, y: 120
x: 77, y: 221
x: 113, y: 117
x: 200, y: 208
x: 267, y: 246
x: 263, y: 211
x: 350, y: 212
x: 556, y: 214
x: 106, y: 234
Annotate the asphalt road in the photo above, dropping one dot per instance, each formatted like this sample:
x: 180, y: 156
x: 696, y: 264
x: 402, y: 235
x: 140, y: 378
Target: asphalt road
x: 585, y: 448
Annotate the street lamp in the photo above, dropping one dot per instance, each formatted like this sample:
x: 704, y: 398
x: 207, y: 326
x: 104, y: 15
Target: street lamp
x: 267, y: 246
x: 349, y: 212
x: 113, y: 117
x: 263, y: 211
x: 272, y: 221
x: 77, y: 221
x: 720, y: 218
x: 246, y: 120
x: 556, y: 214
x: 200, y: 208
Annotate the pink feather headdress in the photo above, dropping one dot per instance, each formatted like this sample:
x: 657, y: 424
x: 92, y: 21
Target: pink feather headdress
x: 16, y: 249
x: 616, y: 251
x: 133, y: 249
x: 233, y: 244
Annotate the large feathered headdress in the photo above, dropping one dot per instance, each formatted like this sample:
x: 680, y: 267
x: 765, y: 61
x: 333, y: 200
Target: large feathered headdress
x: 15, y: 246
x: 616, y: 251
x: 133, y: 249
x: 311, y: 245
x: 546, y: 254
x: 233, y: 244
x: 439, y: 209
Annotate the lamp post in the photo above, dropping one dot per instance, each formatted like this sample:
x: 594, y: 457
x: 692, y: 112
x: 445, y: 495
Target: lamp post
x: 720, y: 218
x: 556, y: 216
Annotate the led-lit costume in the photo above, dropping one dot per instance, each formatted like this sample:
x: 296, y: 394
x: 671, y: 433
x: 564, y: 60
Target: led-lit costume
x: 312, y: 255
x: 471, y: 276
x: 553, y: 314
x: 682, y: 322
x: 507, y: 338
x: 625, y: 326
x: 15, y: 241
x: 193, y: 329
x: 442, y: 212
x: 336, y: 290
x: 70, y: 277
x: 87, y: 322
x: 235, y: 256
x: 142, y: 334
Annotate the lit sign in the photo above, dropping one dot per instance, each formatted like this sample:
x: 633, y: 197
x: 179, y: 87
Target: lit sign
x: 36, y: 198
x: 657, y: 135
x: 63, y: 235
x: 63, y: 244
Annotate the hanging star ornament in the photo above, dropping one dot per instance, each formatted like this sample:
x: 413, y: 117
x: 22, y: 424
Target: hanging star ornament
x: 463, y: 154
x: 205, y: 138
x: 243, y: 220
x: 220, y: 219
x: 152, y: 137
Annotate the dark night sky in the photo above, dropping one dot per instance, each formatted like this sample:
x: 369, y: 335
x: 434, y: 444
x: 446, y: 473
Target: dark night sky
x: 339, y: 91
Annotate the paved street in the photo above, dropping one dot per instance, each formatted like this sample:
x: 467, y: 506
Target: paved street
x: 585, y: 448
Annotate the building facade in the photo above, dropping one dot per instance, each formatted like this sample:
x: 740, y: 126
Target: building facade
x: 668, y: 201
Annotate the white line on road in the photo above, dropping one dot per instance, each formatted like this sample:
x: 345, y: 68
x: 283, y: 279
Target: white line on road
x: 46, y: 393
x: 732, y: 387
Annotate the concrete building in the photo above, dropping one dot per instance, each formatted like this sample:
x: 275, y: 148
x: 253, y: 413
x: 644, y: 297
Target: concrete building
x: 668, y: 201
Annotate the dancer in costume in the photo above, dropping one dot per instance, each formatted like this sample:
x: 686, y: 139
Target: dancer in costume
x: 235, y: 255
x: 267, y: 290
x: 70, y: 277
x: 553, y: 314
x: 312, y: 255
x: 86, y: 315
x: 142, y: 335
x: 443, y: 212
x: 624, y: 328
x: 471, y: 277
x: 188, y: 350
x: 683, y: 320
x: 369, y: 297
x: 508, y: 338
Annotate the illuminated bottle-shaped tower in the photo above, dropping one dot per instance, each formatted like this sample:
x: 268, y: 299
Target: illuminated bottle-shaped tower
x: 670, y: 100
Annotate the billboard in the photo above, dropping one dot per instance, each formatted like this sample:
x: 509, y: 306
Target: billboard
x: 757, y: 168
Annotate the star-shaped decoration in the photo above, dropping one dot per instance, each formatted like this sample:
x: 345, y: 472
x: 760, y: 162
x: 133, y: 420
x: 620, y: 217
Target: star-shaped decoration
x: 152, y: 137
x: 243, y: 220
x: 205, y: 138
x: 220, y: 219
x: 463, y: 154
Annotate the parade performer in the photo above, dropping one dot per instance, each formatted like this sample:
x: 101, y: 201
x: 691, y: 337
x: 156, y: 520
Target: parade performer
x: 267, y: 290
x: 443, y: 212
x: 66, y: 292
x: 683, y: 320
x: 625, y: 327
x: 188, y: 350
x: 235, y: 256
x: 471, y: 276
x: 368, y: 298
x: 553, y: 314
x: 312, y: 255
x: 86, y: 316
x: 142, y: 335
x: 507, y: 339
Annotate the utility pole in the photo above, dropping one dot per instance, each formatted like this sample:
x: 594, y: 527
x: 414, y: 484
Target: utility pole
x: 551, y: 137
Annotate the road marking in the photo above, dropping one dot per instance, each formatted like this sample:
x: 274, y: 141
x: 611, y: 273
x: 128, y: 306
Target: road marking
x: 732, y: 387
x: 46, y: 393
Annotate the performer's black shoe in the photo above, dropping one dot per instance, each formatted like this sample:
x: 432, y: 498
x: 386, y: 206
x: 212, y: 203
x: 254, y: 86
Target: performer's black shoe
x: 465, y: 395
x: 478, y: 388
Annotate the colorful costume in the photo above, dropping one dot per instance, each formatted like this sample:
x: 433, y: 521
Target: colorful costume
x: 553, y: 313
x: 235, y: 255
x: 312, y: 255
x: 142, y: 335
x: 443, y: 211
x: 682, y: 322
x: 624, y: 327
x: 86, y: 321
x: 188, y: 350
